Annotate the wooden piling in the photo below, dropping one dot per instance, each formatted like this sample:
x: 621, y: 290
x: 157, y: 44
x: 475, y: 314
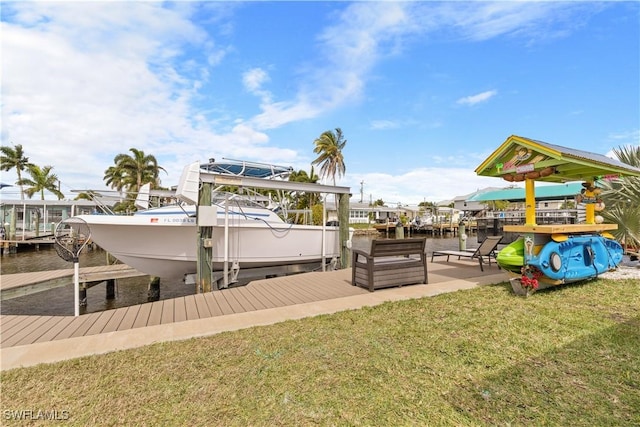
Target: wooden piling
x: 205, y: 249
x: 153, y: 293
x: 111, y: 289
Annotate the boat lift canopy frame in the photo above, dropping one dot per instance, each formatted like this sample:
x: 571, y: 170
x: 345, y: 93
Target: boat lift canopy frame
x: 196, y: 183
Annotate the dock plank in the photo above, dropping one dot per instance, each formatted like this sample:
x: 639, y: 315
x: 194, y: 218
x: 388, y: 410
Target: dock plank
x: 53, y: 332
x: 155, y: 316
x: 72, y: 327
x: 239, y: 295
x: 28, y: 328
x: 101, y: 322
x: 297, y: 294
x: 30, y: 338
x: 273, y: 294
x: 201, y: 305
x: 191, y: 307
x: 142, y: 318
x: 179, y: 310
x: 254, y: 294
x: 168, y: 308
x: 236, y: 307
x: 214, y: 308
x: 90, y: 320
x: 129, y: 318
x: 222, y: 303
x: 116, y: 318
x: 13, y: 323
x: 256, y: 300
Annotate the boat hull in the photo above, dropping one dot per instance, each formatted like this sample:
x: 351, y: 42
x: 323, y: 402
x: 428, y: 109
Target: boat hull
x: 167, y: 246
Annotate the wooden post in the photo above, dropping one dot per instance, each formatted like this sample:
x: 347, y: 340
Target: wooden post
x: 590, y: 208
x: 343, y: 220
x: 205, y: 250
x: 111, y: 289
x: 82, y: 302
x: 530, y: 202
x: 153, y: 291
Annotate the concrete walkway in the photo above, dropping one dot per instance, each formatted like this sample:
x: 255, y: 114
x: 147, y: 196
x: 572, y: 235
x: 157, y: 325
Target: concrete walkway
x: 53, y: 351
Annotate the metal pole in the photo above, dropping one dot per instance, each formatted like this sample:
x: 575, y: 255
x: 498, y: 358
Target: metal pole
x: 76, y: 287
x: 324, y: 223
x: 225, y: 268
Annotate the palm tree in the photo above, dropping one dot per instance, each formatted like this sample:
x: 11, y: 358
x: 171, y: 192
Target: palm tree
x: 41, y: 179
x: 14, y: 158
x: 622, y: 200
x: 303, y: 200
x: 132, y: 172
x: 115, y: 177
x: 329, y: 148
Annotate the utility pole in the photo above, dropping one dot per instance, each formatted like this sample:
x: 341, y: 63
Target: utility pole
x: 361, y: 191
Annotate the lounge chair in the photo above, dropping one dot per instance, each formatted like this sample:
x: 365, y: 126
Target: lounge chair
x: 485, y: 251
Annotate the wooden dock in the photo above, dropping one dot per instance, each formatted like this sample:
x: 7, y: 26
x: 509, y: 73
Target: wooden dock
x: 12, y: 245
x: 259, y: 295
x: 285, y: 291
x: 20, y: 284
x: 28, y: 340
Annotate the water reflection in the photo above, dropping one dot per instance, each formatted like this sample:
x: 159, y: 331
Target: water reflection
x: 132, y: 291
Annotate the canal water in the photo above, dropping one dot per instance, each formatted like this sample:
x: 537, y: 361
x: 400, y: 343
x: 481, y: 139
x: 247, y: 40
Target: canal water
x: 132, y: 291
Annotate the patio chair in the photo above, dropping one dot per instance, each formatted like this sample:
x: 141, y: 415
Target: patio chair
x: 486, y: 250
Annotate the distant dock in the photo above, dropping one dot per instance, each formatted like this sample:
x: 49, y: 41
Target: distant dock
x: 11, y: 246
x: 21, y: 284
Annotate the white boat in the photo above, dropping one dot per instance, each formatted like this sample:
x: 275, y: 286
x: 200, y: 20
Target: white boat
x: 248, y: 239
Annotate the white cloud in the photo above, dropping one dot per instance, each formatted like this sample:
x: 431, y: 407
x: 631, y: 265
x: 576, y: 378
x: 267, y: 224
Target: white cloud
x: 477, y: 98
x: 366, y: 33
x: 363, y: 33
x: 418, y: 186
x: 384, y: 124
x: 83, y: 81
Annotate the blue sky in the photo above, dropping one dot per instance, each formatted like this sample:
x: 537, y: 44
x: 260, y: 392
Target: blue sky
x: 423, y: 91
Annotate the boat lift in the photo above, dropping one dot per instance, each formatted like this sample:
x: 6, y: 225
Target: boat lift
x: 195, y: 187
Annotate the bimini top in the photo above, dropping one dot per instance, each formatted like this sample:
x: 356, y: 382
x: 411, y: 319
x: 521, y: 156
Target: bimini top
x: 248, y: 169
x: 520, y: 158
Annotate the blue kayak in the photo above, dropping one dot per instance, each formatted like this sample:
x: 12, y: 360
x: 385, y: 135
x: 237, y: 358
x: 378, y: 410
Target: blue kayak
x: 579, y: 257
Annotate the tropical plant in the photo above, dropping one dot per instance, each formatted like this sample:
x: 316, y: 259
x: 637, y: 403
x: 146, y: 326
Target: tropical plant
x: 14, y: 158
x: 622, y: 199
x: 303, y: 199
x: 42, y: 179
x: 115, y: 177
x: 132, y: 172
x: 329, y: 148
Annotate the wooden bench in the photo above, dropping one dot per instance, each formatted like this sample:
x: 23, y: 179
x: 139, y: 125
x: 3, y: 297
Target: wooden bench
x: 390, y: 262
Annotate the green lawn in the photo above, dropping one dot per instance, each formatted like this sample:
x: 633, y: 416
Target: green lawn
x: 568, y: 356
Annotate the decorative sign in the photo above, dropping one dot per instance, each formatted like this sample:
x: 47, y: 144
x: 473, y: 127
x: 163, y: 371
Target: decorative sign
x: 529, y: 167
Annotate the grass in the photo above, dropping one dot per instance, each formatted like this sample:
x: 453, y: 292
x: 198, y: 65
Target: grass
x: 564, y: 356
